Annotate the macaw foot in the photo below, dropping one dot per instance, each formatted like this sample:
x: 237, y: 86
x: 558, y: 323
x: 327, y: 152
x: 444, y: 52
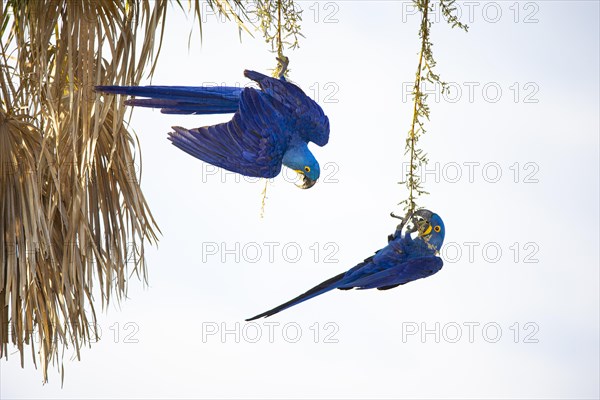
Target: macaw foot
x: 403, y: 222
x: 396, y: 216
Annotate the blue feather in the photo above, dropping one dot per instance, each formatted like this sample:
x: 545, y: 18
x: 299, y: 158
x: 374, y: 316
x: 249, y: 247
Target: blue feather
x: 181, y: 99
x: 403, y: 260
x: 270, y: 127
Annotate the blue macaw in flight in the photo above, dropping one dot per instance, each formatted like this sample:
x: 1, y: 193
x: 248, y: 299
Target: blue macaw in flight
x: 403, y: 260
x: 271, y: 126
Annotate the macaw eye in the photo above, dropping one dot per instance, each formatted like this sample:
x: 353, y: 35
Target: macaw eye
x: 307, y: 169
x: 437, y: 228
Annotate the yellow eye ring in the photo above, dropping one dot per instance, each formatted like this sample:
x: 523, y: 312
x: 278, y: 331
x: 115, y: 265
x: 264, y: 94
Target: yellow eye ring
x: 307, y: 169
x: 437, y: 228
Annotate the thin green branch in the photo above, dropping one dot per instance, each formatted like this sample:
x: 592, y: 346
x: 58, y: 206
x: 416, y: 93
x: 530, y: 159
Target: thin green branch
x: 282, y: 31
x: 418, y: 158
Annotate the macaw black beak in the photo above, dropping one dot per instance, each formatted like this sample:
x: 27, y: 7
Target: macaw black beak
x: 307, y: 183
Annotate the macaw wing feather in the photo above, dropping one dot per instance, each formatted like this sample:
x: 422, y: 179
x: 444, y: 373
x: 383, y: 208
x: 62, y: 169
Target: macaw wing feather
x: 181, y: 99
x: 388, y: 287
x: 311, y: 122
x: 394, y: 253
x: 400, y: 273
x: 358, y: 266
x: 251, y: 144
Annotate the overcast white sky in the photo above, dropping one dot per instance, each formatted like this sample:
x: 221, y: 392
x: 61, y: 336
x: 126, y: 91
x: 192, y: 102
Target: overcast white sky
x: 514, y: 173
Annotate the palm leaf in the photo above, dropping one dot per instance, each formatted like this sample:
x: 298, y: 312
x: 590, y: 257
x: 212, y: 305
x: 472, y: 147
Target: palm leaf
x: 74, y: 219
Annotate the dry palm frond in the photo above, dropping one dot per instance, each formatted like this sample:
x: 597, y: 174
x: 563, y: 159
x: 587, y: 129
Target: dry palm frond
x: 72, y: 215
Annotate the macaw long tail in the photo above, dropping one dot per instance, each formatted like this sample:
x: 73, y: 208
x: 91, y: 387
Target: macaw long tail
x: 323, y: 287
x: 181, y: 99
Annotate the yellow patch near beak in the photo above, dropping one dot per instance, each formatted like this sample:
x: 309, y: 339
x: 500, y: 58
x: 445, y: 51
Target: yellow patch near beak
x: 299, y: 171
x: 427, y: 231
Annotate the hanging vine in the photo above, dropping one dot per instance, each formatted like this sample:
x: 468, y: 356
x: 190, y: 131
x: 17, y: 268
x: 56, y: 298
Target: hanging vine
x: 280, y: 25
x: 425, y: 73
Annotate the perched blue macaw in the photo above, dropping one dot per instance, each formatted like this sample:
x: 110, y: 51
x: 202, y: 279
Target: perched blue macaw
x: 271, y: 125
x: 403, y: 260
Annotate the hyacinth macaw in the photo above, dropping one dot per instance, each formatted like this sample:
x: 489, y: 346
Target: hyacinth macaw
x: 403, y: 260
x: 271, y: 126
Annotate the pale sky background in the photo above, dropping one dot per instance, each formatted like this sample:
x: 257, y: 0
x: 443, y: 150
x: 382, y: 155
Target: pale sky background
x: 533, y: 308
